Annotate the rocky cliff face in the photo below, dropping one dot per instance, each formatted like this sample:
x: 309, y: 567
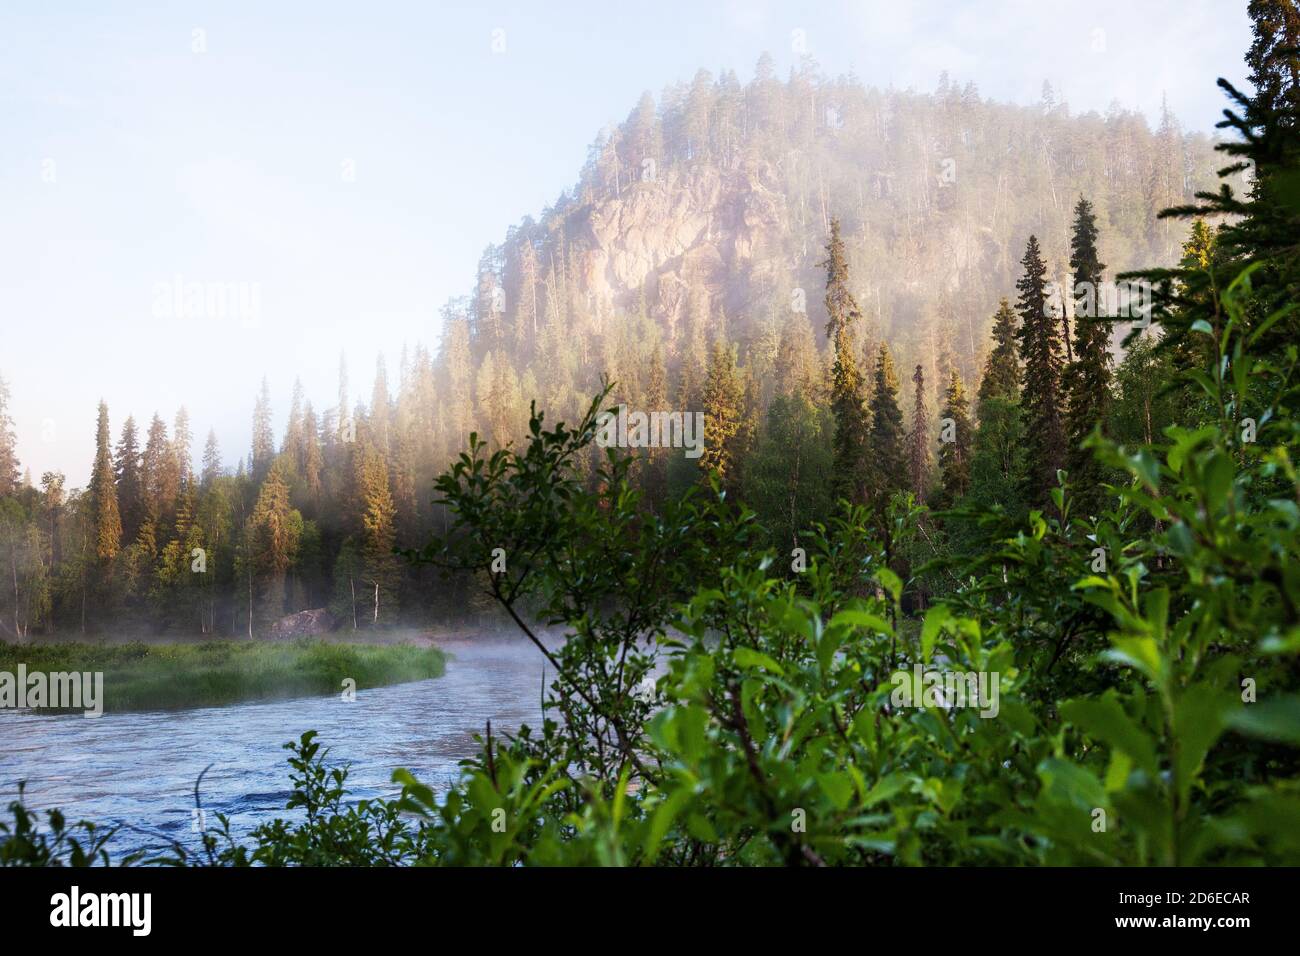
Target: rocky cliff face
x: 696, y: 227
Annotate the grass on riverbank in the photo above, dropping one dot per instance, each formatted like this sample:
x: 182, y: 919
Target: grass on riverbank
x: 179, y: 676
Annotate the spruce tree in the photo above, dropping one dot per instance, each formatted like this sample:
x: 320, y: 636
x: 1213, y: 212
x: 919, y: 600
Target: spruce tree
x: 130, y: 491
x: 381, y: 409
x: 294, y: 437
x: 848, y: 400
x: 154, y: 483
x: 918, y: 452
x: 1087, y: 379
x: 182, y: 466
x: 263, y: 437
x: 723, y: 408
x: 886, y: 454
x: 211, y: 459
x: 381, y: 571
x: 955, y: 441
x: 1040, y: 350
x: 1002, y: 368
x: 312, y: 458
x: 106, y: 522
x: 273, y: 532
x: 1262, y: 228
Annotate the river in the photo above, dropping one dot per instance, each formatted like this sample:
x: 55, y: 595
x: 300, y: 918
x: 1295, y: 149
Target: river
x: 137, y: 770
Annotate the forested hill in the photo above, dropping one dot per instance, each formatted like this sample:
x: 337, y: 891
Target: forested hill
x: 687, y: 265
x: 707, y: 214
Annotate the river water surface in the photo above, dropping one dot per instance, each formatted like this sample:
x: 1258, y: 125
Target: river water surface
x: 137, y: 770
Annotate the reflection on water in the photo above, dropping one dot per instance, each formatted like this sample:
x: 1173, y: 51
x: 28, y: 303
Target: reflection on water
x: 138, y: 769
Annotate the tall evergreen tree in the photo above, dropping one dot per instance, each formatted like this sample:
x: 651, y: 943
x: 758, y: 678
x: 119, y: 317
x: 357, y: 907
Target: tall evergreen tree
x: 381, y: 408
x: 1001, y: 377
x: 955, y: 441
x: 848, y: 400
x: 154, y: 464
x: 294, y: 433
x: 211, y: 459
x: 378, y: 520
x: 1040, y: 350
x: 723, y: 401
x: 1274, y: 55
x: 182, y: 449
x: 918, y: 440
x: 130, y: 490
x: 887, y: 457
x: 1087, y: 379
x: 274, y: 528
x: 105, y: 519
x: 263, y: 437
x: 312, y: 458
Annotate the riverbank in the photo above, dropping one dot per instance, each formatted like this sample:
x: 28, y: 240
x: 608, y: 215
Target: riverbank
x: 140, y: 676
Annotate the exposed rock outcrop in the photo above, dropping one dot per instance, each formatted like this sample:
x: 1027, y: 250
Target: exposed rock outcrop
x: 309, y: 623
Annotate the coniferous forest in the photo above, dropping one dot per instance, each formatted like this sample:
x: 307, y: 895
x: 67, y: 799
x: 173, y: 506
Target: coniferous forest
x: 990, y: 556
x: 743, y: 192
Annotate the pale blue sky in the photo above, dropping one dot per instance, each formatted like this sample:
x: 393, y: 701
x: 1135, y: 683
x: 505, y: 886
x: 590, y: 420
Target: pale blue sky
x: 129, y: 159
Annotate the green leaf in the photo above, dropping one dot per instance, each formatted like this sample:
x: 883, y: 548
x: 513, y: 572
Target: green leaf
x: 1277, y: 720
x: 864, y: 619
x: 1141, y: 653
x: 1105, y: 720
x: 748, y: 657
x: 890, y: 582
x: 838, y: 787
x: 935, y: 619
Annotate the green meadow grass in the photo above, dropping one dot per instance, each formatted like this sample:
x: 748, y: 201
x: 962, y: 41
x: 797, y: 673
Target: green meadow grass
x: 179, y: 676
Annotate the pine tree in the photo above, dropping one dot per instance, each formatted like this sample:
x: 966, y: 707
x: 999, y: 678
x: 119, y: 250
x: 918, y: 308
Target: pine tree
x: 1002, y: 368
x: 848, y: 400
x: 105, y: 520
x: 955, y: 441
x: 918, y: 440
x: 1040, y: 350
x: 8, y: 445
x: 888, y: 468
x: 1087, y: 379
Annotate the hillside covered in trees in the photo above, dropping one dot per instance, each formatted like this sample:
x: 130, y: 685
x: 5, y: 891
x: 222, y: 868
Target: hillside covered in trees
x: 688, y: 266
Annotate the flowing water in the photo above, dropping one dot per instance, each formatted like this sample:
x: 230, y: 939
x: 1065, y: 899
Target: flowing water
x: 138, y: 770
